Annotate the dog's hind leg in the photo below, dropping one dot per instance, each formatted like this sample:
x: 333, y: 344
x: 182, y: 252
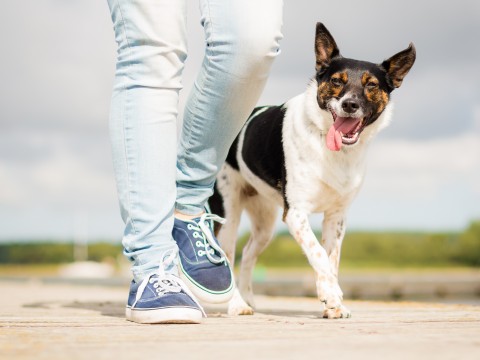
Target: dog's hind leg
x: 262, y: 215
x: 230, y: 190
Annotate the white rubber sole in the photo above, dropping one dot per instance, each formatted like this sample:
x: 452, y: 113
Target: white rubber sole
x: 205, y: 295
x: 164, y: 316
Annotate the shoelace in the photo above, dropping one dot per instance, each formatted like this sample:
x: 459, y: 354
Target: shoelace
x: 166, y: 283
x: 204, y: 233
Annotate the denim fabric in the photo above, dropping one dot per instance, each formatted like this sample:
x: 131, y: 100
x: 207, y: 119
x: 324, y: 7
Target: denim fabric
x: 241, y: 42
x: 242, y: 38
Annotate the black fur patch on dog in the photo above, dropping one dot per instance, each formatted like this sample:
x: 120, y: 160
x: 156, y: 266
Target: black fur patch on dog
x: 263, y: 135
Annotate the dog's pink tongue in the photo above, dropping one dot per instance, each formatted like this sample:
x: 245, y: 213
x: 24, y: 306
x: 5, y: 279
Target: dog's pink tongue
x: 334, y: 139
x: 342, y: 125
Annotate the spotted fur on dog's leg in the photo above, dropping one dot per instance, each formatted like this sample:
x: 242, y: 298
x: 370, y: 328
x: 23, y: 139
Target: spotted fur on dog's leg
x: 329, y: 292
x: 331, y: 311
x: 333, y: 231
x: 327, y: 285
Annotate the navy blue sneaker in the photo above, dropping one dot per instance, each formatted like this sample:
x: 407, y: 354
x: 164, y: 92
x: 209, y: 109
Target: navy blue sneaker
x: 162, y: 298
x: 203, y: 264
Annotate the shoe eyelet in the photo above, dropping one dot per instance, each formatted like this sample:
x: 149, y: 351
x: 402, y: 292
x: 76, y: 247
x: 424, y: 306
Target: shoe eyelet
x: 200, y: 253
x: 199, y: 243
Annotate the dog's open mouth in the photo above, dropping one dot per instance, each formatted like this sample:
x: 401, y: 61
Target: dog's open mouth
x: 345, y: 130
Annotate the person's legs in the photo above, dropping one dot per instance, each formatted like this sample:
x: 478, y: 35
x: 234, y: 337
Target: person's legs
x: 151, y: 37
x: 241, y: 42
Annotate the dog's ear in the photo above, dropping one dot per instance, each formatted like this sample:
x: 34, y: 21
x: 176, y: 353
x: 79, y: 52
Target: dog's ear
x: 398, y: 66
x: 325, y: 47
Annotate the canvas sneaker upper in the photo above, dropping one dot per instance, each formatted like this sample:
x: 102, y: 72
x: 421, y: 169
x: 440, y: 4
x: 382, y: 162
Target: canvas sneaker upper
x: 203, y: 264
x: 162, y: 298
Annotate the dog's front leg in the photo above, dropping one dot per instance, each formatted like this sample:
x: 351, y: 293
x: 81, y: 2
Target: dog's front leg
x: 328, y: 289
x: 333, y: 231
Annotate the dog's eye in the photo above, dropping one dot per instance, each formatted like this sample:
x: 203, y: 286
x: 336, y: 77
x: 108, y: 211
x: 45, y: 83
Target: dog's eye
x: 371, y: 85
x: 336, y: 82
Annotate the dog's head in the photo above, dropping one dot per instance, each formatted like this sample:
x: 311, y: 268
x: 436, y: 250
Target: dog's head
x: 354, y: 92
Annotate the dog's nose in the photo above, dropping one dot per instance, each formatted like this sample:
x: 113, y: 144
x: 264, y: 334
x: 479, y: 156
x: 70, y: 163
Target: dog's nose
x: 350, y: 106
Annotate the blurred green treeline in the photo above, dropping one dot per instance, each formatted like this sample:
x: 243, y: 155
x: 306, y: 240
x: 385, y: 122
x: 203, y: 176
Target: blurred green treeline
x: 360, y: 249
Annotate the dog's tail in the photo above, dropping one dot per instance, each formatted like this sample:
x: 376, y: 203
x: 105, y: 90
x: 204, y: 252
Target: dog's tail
x: 215, y: 204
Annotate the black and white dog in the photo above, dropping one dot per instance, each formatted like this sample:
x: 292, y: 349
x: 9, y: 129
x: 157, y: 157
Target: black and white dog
x: 307, y: 156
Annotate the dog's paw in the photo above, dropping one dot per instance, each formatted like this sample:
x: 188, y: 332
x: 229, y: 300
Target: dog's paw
x: 330, y: 294
x: 337, y: 313
x: 238, y: 306
x: 235, y: 311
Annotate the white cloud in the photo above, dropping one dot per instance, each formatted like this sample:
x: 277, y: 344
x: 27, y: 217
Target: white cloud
x: 46, y: 168
x: 419, y: 169
x: 418, y: 185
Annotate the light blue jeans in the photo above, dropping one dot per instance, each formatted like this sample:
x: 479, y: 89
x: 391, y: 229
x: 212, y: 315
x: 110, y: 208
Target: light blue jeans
x: 154, y: 172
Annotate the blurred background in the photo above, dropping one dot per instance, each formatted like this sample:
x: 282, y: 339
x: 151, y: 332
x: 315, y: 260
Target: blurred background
x: 414, y: 231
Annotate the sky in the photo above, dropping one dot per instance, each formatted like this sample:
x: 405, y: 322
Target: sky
x: 56, y: 75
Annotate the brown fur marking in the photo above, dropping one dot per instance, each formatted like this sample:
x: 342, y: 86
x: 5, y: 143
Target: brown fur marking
x: 373, y: 93
x: 327, y: 90
x: 249, y: 191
